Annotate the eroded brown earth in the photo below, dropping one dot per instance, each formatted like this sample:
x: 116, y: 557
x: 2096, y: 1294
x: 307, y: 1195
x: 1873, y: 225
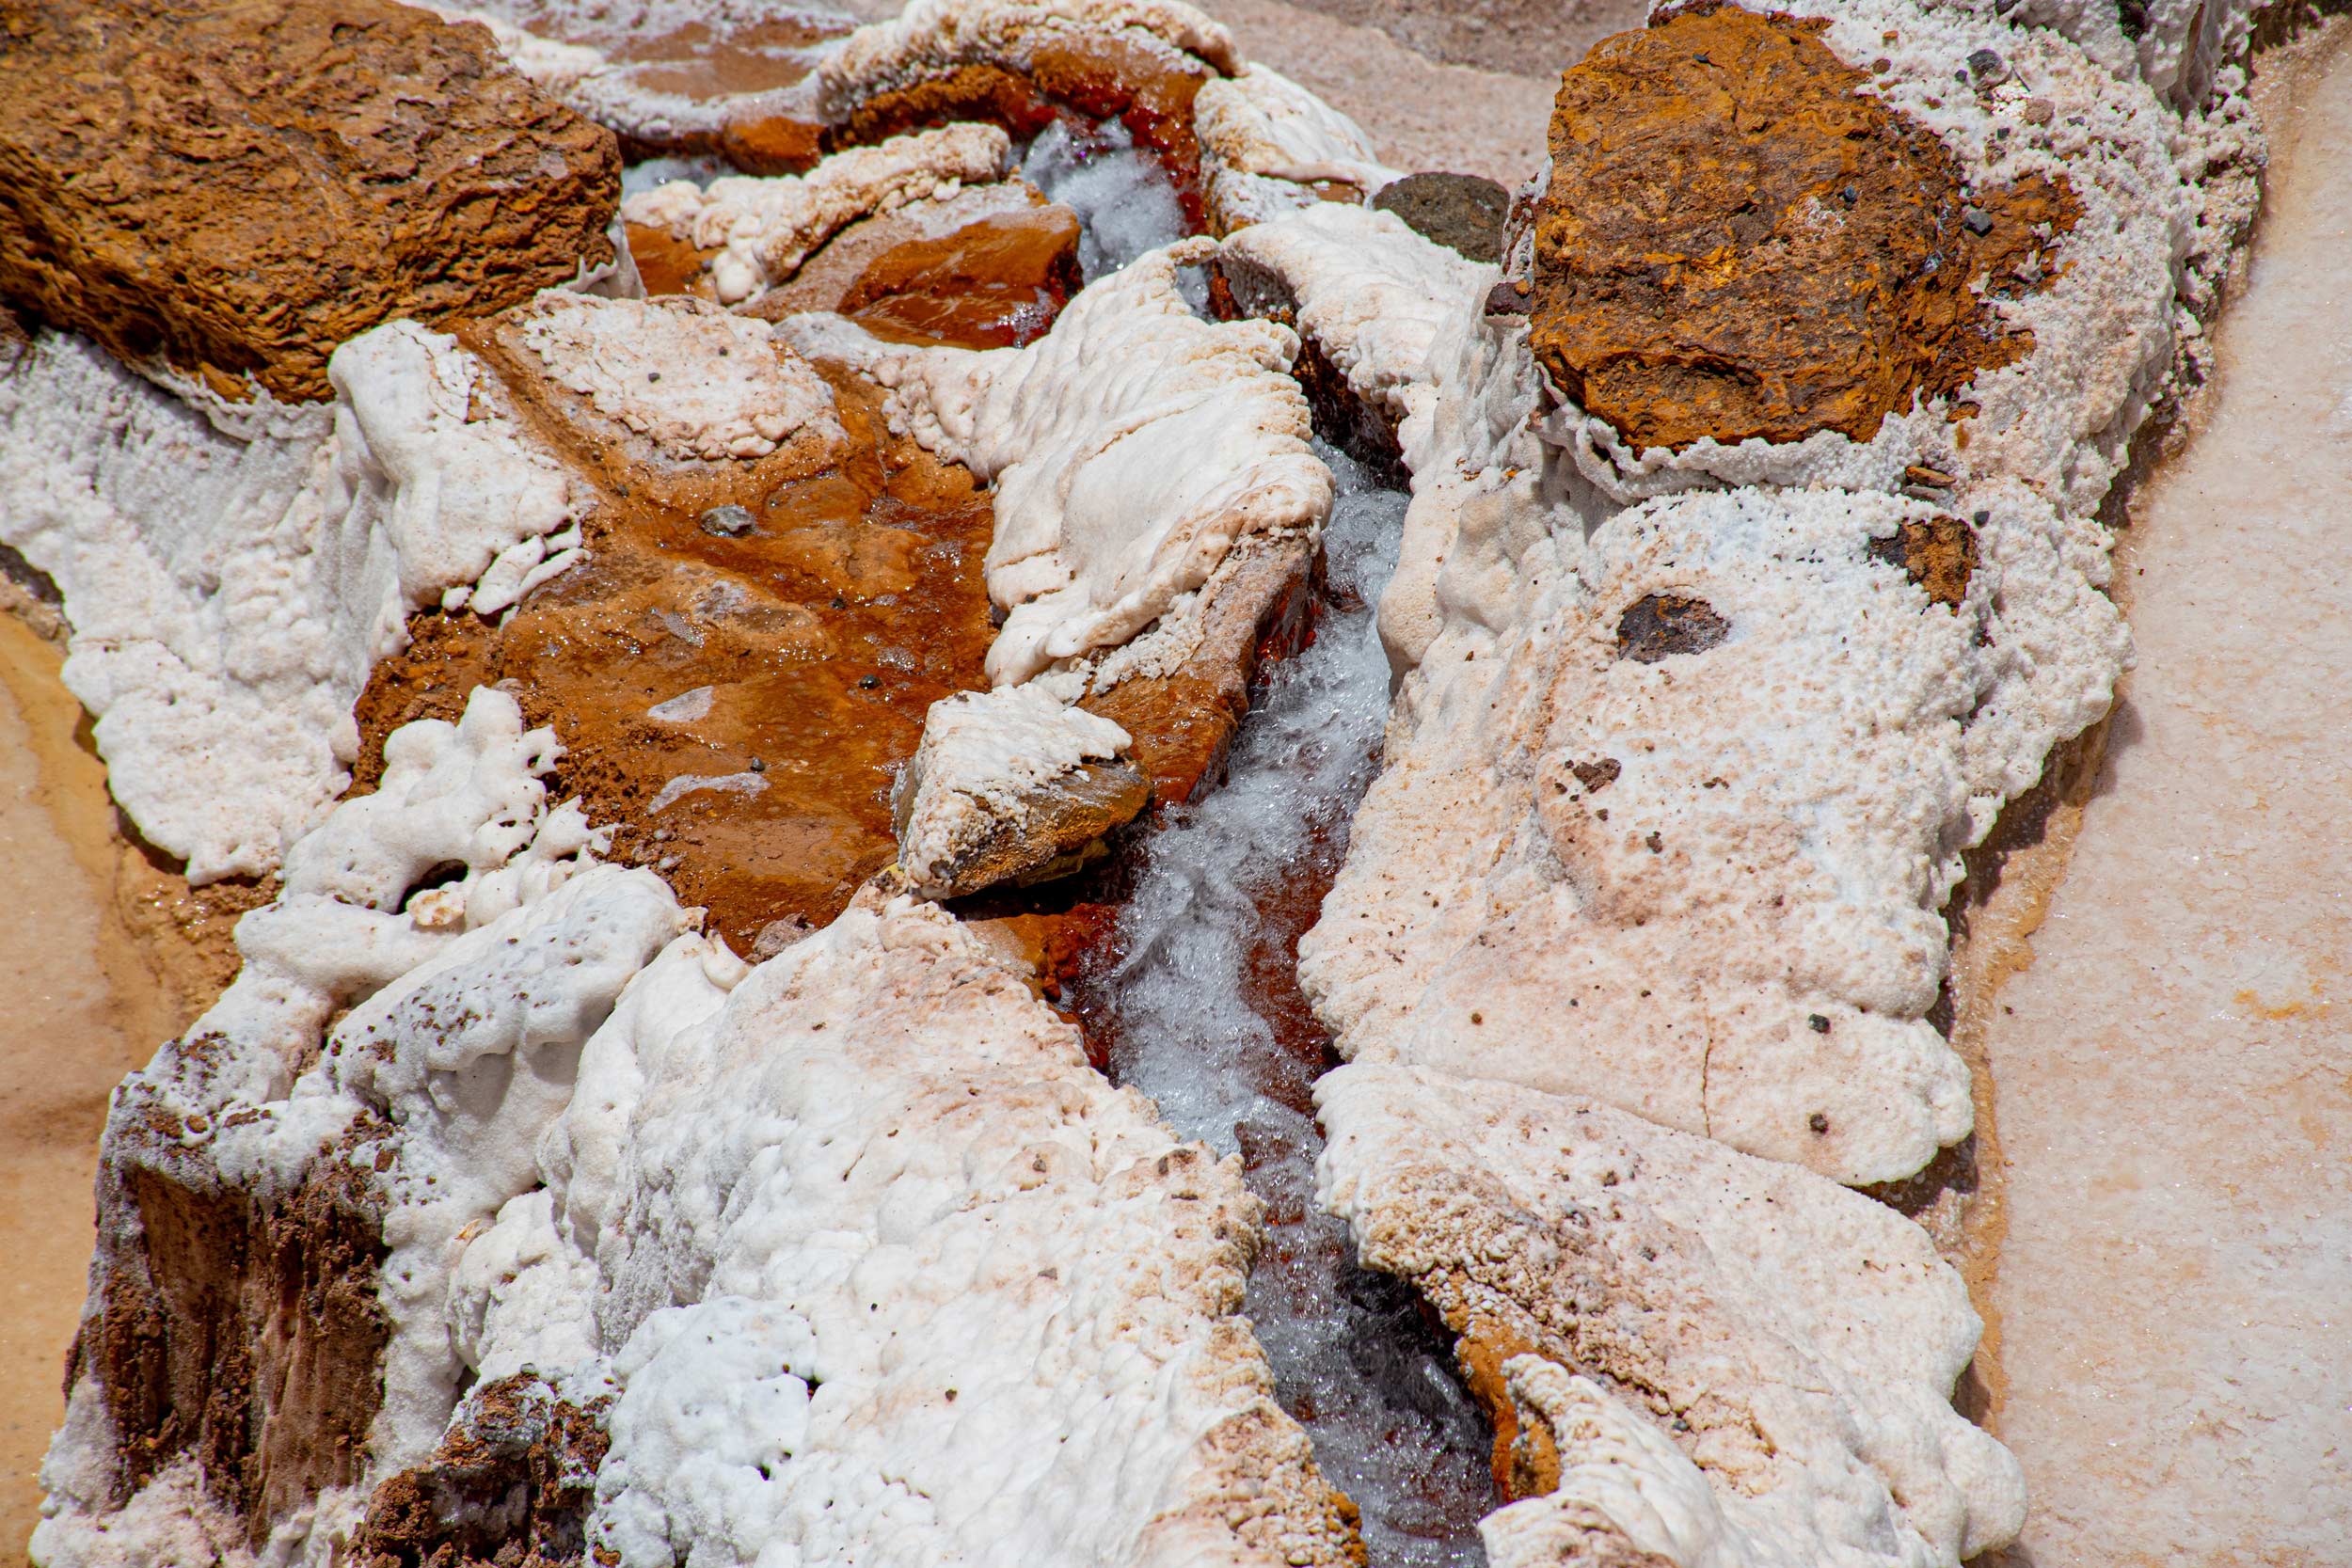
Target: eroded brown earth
x: 1740, y: 243
x: 240, y: 188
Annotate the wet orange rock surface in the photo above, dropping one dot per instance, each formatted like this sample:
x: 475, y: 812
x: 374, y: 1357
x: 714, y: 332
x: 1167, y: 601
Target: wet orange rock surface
x: 797, y: 660
x: 1739, y: 243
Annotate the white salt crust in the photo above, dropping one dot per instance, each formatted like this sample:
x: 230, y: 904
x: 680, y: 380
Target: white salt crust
x: 1782, y: 826
x: 762, y: 229
x: 1372, y: 294
x: 230, y: 593
x: 697, y: 381
x: 985, y: 758
x: 875, y: 1262
x: 1265, y: 142
x: 1772, y: 1357
x: 2058, y: 417
x: 933, y: 37
x: 1129, y: 448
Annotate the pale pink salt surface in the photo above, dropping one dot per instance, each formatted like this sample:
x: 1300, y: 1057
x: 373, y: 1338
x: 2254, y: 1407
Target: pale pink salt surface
x: 2173, y: 1076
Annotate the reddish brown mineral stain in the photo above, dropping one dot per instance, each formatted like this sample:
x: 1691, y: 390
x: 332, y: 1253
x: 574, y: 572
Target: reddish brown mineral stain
x: 993, y: 284
x: 1739, y: 243
x: 823, y: 635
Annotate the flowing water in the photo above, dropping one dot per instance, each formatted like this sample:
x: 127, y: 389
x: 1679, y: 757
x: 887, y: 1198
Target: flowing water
x: 1200, y: 989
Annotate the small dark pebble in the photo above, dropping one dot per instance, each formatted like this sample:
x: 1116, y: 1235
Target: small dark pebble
x: 756, y: 766
x: 1882, y: 65
x: 653, y: 375
x: 868, y: 683
x: 1985, y: 64
x: 1819, y: 1024
x: 1853, y: 194
x: 1981, y: 518
x: 1978, y: 219
x: 1819, y: 1122
x: 727, y: 522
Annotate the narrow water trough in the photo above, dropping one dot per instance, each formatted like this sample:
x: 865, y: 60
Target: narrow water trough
x: 1197, y: 990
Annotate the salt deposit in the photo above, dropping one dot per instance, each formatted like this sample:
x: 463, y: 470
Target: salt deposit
x: 1793, y: 1344
x: 697, y: 381
x: 935, y: 37
x: 1129, y: 448
x: 230, y: 593
x: 994, y: 765
x: 762, y: 229
x: 1713, y: 907
x: 1265, y: 142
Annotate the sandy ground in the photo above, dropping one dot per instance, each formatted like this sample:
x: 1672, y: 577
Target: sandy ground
x: 78, y: 1015
x: 2171, y: 1075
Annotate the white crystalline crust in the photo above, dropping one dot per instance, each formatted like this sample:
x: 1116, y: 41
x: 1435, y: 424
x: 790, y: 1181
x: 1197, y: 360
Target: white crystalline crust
x: 2058, y: 417
x: 697, y: 381
x: 935, y: 37
x: 1129, y: 448
x: 228, y: 594
x: 1266, y: 141
x: 764, y: 228
x: 984, y: 757
x: 1780, y: 1352
x: 873, y: 1259
x: 1372, y: 294
x: 1706, y: 854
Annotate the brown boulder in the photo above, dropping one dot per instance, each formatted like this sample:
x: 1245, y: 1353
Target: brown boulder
x: 1738, y: 242
x: 240, y: 188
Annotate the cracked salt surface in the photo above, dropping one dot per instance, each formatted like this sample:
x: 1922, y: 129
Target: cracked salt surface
x: 1207, y: 1020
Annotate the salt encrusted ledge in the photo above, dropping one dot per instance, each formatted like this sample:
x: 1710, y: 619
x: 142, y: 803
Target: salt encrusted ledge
x: 1129, y: 450
x: 1792, y: 1343
x: 850, y: 1249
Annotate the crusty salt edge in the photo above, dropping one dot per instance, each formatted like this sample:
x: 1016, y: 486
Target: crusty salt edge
x: 762, y: 229
x: 1266, y: 141
x: 933, y: 38
x: 2059, y: 417
x: 698, y: 382
x: 1750, y: 934
x: 599, y: 1148
x: 984, y: 756
x: 1374, y: 295
x: 1128, y: 448
x: 229, y: 597
x: 1780, y: 1352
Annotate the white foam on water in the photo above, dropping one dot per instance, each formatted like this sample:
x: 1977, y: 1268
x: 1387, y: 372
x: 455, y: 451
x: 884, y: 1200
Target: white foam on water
x: 1121, y: 194
x: 1352, y: 1357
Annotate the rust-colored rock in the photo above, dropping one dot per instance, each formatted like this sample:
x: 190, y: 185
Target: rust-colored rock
x: 1739, y: 243
x: 1657, y: 626
x: 240, y: 188
x: 995, y: 281
x: 1938, y: 554
x: 822, y: 635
